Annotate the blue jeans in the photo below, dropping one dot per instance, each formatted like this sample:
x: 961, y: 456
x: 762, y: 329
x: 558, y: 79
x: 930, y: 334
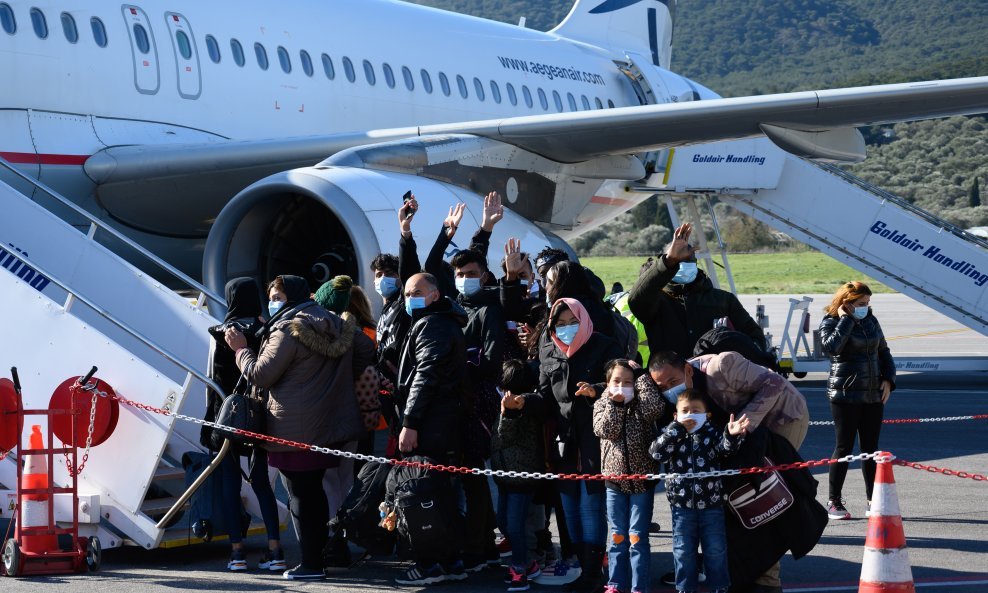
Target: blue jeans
x: 690, y: 528
x: 512, y: 517
x: 629, y: 516
x: 584, y: 515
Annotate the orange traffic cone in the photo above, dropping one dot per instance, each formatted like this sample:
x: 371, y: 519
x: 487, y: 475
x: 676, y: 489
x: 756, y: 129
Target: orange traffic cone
x: 34, y: 509
x: 885, y: 567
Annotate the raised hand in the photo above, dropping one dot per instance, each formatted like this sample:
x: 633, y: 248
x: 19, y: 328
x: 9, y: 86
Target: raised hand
x: 453, y: 219
x: 493, y: 211
x: 739, y: 426
x: 680, y: 249
x: 584, y: 389
x: 514, y: 263
x: 405, y: 214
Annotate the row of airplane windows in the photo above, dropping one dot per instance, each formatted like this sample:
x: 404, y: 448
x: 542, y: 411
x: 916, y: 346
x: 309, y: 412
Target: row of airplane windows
x: 142, y: 40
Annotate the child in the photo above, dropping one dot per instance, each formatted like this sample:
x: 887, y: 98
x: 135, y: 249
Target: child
x: 691, y: 444
x: 518, y: 446
x: 624, y: 419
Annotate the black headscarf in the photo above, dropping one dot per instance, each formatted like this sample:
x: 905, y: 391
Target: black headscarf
x: 296, y: 290
x: 243, y: 299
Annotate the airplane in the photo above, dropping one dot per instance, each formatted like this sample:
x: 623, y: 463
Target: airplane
x: 154, y: 115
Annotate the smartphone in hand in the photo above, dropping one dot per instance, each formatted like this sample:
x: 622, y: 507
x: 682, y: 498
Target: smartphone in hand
x: 406, y: 198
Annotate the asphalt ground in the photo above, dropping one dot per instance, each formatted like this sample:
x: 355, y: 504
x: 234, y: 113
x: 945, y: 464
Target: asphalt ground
x: 945, y: 518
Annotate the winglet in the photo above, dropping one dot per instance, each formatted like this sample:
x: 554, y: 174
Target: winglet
x: 639, y: 26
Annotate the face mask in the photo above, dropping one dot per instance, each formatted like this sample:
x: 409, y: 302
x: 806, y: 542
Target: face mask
x: 673, y: 392
x: 468, y: 286
x: 686, y: 274
x: 701, y: 419
x: 413, y: 303
x: 567, y: 333
x: 627, y: 392
x: 274, y: 307
x: 533, y: 290
x: 386, y: 286
x: 861, y: 312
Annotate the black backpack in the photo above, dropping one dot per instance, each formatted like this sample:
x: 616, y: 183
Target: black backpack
x: 359, y: 516
x: 722, y: 339
x: 422, y: 500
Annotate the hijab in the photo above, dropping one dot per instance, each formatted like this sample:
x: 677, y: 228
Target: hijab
x: 243, y: 299
x: 582, y: 317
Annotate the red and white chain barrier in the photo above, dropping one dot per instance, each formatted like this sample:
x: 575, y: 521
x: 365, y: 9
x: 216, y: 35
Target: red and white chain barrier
x: 912, y: 420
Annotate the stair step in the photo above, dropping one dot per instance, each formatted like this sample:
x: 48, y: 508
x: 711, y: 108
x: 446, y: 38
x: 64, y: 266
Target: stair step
x: 164, y: 473
x: 158, y: 506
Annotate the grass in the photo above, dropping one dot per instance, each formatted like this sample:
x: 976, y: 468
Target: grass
x: 757, y: 273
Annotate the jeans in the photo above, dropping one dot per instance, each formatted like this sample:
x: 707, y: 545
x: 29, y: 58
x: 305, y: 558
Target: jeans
x: 864, y: 420
x: 584, y: 515
x: 629, y: 516
x: 230, y: 481
x: 310, y: 513
x: 690, y: 528
x: 512, y: 519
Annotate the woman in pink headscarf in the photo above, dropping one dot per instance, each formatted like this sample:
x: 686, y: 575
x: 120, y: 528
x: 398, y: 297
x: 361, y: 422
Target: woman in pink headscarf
x: 574, y: 354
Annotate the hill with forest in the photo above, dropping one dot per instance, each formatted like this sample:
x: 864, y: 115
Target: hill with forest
x: 771, y: 46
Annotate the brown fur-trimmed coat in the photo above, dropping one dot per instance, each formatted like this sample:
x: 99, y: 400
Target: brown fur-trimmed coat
x: 626, y: 431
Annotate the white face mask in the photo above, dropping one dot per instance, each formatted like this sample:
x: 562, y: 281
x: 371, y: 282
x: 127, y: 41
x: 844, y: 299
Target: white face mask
x: 627, y: 392
x: 700, y: 419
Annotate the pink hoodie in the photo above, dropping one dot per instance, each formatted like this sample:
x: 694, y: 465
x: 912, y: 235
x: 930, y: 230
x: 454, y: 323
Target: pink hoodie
x: 582, y: 335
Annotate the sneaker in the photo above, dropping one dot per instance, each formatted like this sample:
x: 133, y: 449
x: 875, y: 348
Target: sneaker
x: 868, y: 512
x: 836, y: 510
x: 273, y: 560
x: 534, y: 571
x: 455, y: 571
x: 517, y: 580
x: 611, y: 589
x: 562, y: 572
x: 238, y: 562
x: 503, y: 547
x: 669, y: 578
x: 474, y: 563
x: 420, y: 574
x: 300, y: 573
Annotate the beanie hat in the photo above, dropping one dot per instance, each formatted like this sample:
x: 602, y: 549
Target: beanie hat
x: 335, y: 294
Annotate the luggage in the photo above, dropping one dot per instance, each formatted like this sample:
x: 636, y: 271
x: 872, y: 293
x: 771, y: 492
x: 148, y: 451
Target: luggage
x: 723, y: 339
x: 422, y: 500
x: 359, y: 516
x: 205, y: 519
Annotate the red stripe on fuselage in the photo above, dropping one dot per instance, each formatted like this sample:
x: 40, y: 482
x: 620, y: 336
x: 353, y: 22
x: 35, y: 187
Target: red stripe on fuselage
x: 44, y: 159
x: 609, y: 201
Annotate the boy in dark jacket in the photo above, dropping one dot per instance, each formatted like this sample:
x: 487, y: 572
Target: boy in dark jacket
x: 691, y: 444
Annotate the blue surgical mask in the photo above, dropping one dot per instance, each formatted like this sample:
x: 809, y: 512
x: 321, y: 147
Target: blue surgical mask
x: 686, y: 274
x: 533, y: 290
x: 468, y: 286
x: 386, y: 286
x: 274, y: 307
x: 567, y: 333
x: 413, y: 303
x: 673, y: 392
x: 861, y: 312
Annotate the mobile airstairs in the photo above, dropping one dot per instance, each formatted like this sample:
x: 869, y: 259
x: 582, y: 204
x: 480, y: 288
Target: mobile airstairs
x: 69, y: 303
x: 863, y: 226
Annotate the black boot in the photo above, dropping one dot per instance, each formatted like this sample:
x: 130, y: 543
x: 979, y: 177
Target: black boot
x: 581, y: 556
x: 591, y: 578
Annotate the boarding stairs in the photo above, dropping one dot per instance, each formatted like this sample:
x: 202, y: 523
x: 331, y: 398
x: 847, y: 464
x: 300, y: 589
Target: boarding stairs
x: 71, y: 301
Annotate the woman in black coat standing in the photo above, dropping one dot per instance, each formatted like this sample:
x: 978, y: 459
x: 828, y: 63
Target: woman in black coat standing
x: 862, y: 376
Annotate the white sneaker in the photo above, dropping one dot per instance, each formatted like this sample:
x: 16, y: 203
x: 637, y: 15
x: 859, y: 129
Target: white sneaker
x: 561, y: 573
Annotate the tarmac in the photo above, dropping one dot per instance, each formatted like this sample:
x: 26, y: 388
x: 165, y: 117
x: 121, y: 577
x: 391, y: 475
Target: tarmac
x: 945, y: 517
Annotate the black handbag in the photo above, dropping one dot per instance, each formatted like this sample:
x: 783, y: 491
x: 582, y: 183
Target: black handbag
x: 244, y: 409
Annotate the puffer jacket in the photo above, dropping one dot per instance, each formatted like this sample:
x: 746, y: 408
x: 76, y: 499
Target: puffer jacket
x: 697, y: 452
x: 518, y: 444
x: 859, y: 359
x: 626, y: 431
x: 308, y: 362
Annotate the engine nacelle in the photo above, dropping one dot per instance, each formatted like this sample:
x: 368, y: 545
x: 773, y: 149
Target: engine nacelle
x: 318, y: 222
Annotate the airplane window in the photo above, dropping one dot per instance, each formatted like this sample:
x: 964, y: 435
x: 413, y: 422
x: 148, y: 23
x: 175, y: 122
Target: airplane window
x: 284, y: 59
x: 327, y: 66
x: 444, y: 83
x: 142, y: 41
x: 479, y: 88
x: 99, y: 32
x: 600, y: 105
x: 409, y: 80
x: 389, y: 75
x: 348, y: 69
x: 369, y: 73
x: 212, y: 47
x: 40, y: 23
x: 528, y: 96
x: 558, y: 100
x: 238, y: 52
x: 7, y: 19
x: 462, y: 84
x: 426, y: 81
x: 511, y: 93
x: 184, y: 45
x: 68, y: 27
x: 495, y: 92
x: 586, y: 102
x: 572, y: 102
x: 543, y: 101
x: 303, y: 56
x: 262, y: 55
x: 610, y: 104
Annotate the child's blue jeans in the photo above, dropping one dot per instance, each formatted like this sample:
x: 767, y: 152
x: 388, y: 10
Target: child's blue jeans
x: 691, y: 528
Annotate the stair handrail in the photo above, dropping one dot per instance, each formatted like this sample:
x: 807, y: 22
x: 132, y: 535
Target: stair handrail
x: 902, y: 203
x: 99, y: 224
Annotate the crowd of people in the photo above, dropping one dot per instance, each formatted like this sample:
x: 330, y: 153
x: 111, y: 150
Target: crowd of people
x: 532, y: 370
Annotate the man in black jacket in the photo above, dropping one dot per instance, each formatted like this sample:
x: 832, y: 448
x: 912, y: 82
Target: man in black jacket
x: 677, y: 303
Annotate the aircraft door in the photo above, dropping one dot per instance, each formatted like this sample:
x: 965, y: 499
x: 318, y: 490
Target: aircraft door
x: 186, y: 56
x: 147, y: 77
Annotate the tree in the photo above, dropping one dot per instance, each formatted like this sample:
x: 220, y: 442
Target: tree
x: 974, y: 197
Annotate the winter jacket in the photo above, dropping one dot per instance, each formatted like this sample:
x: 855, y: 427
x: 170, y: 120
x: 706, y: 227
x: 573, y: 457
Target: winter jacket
x: 575, y: 446
x: 676, y: 315
x: 518, y: 444
x: 697, y: 452
x: 859, y: 359
x: 224, y: 372
x: 739, y: 386
x: 626, y: 431
x: 309, y: 362
x: 394, y: 322
x: 432, y: 383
